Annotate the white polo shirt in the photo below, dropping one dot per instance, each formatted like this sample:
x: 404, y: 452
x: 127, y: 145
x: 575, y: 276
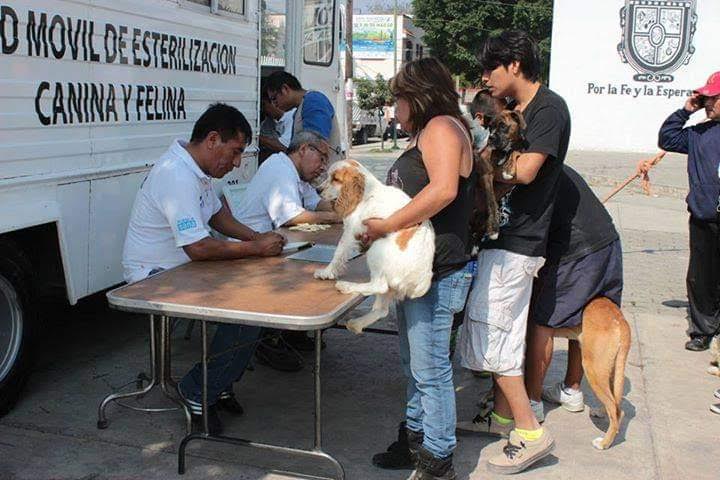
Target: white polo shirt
x: 171, y: 210
x: 275, y: 195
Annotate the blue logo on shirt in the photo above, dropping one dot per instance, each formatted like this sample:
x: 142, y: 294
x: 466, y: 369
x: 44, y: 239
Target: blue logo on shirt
x: 186, y: 224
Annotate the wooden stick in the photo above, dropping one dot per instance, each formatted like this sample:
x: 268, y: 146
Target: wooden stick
x: 656, y: 159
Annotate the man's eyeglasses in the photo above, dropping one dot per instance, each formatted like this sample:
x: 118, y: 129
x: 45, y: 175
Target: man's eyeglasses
x: 323, y: 156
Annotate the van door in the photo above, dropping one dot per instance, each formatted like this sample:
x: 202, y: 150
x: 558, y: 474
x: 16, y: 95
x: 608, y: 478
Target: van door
x: 313, y: 48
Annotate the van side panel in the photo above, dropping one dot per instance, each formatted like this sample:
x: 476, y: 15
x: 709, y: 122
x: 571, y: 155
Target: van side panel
x: 93, y: 92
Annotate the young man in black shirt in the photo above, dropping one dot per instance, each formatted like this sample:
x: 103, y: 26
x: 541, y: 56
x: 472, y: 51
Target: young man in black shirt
x: 493, y: 335
x: 584, y: 261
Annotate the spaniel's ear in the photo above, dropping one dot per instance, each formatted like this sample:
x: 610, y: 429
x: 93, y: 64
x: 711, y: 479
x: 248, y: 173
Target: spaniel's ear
x: 351, y: 191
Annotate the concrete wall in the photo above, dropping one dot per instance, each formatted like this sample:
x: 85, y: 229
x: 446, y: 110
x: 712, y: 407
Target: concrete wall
x: 614, y: 106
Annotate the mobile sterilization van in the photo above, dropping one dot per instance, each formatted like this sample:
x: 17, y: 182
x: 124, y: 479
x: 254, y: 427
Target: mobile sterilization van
x: 91, y: 93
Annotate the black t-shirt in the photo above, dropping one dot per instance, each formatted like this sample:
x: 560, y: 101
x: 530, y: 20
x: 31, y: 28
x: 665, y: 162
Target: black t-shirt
x: 525, y: 212
x: 453, y: 243
x: 580, y: 224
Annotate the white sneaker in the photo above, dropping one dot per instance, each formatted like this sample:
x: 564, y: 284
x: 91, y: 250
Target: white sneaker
x: 538, y: 409
x: 717, y: 393
x: 571, y: 401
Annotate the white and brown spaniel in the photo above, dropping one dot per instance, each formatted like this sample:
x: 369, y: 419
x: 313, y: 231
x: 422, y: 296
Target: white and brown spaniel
x: 400, y: 263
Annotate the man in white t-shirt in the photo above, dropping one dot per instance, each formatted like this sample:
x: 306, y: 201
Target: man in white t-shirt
x: 280, y: 194
x: 170, y: 225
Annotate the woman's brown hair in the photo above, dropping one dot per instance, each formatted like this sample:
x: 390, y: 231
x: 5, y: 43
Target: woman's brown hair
x: 426, y: 84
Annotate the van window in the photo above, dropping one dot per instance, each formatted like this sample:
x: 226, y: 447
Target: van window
x: 318, y: 32
x: 236, y: 7
x: 232, y: 6
x: 273, y: 33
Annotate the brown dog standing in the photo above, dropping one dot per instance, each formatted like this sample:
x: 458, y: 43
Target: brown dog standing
x: 604, y: 337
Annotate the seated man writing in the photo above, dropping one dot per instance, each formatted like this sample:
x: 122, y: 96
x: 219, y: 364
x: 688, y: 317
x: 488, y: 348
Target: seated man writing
x: 170, y: 225
x: 280, y: 194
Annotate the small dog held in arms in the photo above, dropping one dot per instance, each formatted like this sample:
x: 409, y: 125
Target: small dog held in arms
x: 400, y: 263
x: 505, y: 144
x: 604, y: 337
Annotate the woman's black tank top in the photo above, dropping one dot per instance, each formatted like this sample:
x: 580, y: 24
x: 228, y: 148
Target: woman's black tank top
x: 453, y: 243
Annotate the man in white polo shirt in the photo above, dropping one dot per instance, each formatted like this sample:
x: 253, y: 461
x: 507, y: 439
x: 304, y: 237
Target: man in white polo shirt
x: 280, y: 194
x: 170, y: 225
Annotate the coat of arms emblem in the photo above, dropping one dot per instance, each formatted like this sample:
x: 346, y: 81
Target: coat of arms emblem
x: 657, y: 37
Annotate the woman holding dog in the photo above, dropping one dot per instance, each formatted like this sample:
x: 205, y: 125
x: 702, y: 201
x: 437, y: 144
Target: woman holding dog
x: 436, y: 170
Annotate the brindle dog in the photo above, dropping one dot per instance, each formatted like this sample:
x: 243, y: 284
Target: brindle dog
x: 506, y: 142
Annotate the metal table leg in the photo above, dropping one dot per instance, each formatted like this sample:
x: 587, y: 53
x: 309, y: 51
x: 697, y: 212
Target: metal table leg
x: 168, y: 386
x: 315, y: 453
x: 160, y: 366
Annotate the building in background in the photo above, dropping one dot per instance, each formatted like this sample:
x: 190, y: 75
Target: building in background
x: 624, y: 65
x: 372, y: 44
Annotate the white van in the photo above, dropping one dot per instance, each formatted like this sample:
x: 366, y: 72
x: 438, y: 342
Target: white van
x: 91, y: 93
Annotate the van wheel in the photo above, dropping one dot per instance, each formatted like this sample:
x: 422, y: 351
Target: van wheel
x: 17, y: 322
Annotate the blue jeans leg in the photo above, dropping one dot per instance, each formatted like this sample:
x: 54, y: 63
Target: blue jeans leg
x: 225, y: 368
x: 424, y: 326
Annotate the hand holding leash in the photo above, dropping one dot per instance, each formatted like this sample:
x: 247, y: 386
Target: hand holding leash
x: 643, y: 167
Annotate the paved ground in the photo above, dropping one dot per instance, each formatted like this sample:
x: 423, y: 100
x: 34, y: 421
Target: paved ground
x: 668, y: 433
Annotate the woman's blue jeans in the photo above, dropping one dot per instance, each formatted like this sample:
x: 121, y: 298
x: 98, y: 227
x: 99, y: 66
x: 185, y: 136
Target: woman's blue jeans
x: 424, y: 326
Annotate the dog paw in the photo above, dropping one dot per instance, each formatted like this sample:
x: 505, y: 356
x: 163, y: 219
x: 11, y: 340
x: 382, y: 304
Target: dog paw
x: 354, y: 327
x: 493, y: 236
x: 324, y: 274
x: 598, y: 443
x: 344, y: 287
x: 598, y: 412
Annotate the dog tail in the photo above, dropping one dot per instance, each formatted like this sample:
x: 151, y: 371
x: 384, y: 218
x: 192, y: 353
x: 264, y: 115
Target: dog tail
x: 621, y: 359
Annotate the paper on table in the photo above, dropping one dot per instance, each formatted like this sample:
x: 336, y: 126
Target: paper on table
x: 319, y: 253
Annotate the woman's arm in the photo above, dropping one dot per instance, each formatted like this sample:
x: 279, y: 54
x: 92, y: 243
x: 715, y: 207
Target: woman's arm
x: 441, y: 145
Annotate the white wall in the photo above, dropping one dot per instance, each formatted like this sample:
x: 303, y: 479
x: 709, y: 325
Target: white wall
x: 585, y: 42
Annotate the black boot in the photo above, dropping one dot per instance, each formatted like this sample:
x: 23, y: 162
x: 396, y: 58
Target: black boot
x: 400, y: 455
x: 433, y: 468
x: 698, y: 344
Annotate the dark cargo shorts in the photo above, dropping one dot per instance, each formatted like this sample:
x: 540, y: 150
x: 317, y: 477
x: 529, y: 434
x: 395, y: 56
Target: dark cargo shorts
x: 561, y: 292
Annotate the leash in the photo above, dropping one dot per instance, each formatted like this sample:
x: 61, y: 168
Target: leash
x: 645, y: 178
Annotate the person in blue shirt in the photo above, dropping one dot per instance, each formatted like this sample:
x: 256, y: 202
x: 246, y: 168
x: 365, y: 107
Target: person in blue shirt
x: 314, y: 110
x: 314, y: 113
x: 701, y: 143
